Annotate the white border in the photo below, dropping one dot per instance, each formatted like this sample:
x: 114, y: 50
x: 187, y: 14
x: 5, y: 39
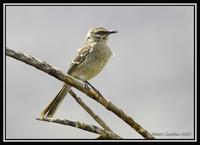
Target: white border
x: 120, y: 4
x: 4, y: 73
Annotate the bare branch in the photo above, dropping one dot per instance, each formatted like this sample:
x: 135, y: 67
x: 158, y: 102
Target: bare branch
x: 91, y: 113
x: 83, y: 126
x: 86, y: 108
x: 80, y: 85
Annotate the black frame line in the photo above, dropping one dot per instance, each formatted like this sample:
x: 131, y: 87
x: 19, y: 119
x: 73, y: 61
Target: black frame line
x: 183, y: 4
x: 100, y: 5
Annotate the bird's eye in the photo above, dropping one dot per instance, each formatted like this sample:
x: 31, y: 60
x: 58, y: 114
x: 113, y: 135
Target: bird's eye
x: 98, y: 37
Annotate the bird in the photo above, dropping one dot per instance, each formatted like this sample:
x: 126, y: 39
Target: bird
x: 89, y: 62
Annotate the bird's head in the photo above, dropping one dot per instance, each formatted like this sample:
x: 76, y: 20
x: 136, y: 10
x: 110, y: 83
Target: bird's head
x: 98, y: 34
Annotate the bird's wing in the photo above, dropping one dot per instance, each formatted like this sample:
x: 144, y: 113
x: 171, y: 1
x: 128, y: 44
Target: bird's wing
x: 82, y: 54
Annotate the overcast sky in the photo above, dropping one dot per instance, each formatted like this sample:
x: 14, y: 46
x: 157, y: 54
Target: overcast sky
x: 150, y: 77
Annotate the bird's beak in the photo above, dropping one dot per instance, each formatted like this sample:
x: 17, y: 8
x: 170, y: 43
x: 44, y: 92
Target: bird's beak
x: 112, y: 32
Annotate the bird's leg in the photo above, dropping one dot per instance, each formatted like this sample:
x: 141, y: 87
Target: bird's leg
x: 87, y: 83
x: 90, y: 85
x: 93, y: 88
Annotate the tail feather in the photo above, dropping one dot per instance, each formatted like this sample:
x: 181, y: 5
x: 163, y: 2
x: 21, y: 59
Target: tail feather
x: 50, y: 110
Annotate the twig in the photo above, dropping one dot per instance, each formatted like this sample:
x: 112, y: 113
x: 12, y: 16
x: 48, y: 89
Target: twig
x: 83, y: 126
x: 80, y: 85
x: 91, y: 113
x: 86, y: 108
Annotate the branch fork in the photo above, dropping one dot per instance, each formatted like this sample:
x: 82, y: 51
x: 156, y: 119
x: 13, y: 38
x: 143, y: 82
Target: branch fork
x: 88, y: 90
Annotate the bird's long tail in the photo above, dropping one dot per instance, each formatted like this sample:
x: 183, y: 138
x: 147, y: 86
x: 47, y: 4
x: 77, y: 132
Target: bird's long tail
x: 50, y: 110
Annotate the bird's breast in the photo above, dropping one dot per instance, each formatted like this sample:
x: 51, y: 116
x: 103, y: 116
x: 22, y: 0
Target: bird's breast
x: 96, y: 61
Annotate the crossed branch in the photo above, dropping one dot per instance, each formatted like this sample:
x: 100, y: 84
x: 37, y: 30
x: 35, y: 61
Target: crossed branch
x: 90, y: 91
